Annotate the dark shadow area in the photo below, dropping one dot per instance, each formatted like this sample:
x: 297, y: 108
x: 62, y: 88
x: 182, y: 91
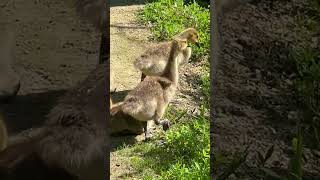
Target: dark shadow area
x: 126, y: 2
x: 119, y: 95
x: 34, y: 168
x: 119, y: 140
x: 127, y: 128
x: 29, y: 110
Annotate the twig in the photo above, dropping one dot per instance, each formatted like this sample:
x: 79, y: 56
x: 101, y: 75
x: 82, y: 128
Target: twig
x: 115, y: 90
x: 181, y: 116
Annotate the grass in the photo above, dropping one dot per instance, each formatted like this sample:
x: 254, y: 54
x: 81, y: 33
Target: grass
x: 294, y: 170
x: 307, y: 83
x: 307, y: 86
x: 227, y: 164
x: 306, y: 59
x: 170, y: 17
x: 295, y: 164
x: 308, y: 89
x: 181, y: 153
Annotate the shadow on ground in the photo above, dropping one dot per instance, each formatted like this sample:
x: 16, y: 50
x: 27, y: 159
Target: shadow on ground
x: 120, y: 140
x: 29, y: 110
x: 127, y: 137
x: 118, y: 96
x: 126, y: 2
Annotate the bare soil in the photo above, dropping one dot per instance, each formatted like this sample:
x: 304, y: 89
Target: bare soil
x: 53, y: 51
x: 256, y: 103
x: 128, y: 40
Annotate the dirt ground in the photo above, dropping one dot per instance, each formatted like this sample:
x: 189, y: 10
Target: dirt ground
x: 54, y: 51
x: 128, y: 40
x: 256, y: 103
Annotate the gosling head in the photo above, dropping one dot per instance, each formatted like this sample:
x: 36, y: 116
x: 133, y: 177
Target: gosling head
x: 191, y: 35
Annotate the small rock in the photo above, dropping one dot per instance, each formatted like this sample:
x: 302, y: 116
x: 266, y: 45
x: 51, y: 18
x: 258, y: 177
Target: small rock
x: 232, y: 177
x: 269, y: 74
x: 293, y: 75
x: 315, y: 42
x: 196, y: 112
x: 258, y: 74
x: 237, y: 45
x: 276, y: 163
x: 273, y: 130
x: 161, y: 142
x: 316, y: 153
x: 292, y: 115
x: 288, y: 82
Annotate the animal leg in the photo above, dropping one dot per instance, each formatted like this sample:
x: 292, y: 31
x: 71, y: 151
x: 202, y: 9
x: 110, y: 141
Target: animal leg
x: 147, y: 134
x: 115, y: 108
x: 143, y: 76
x: 159, y: 113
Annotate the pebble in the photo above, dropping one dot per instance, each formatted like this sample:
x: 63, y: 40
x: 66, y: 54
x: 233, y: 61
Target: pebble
x: 292, y: 115
x: 258, y: 74
x: 273, y: 130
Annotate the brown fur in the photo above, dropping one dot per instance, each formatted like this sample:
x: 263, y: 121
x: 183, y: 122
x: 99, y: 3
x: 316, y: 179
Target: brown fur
x: 189, y: 34
x: 74, y: 136
x: 149, y: 99
x: 154, y: 60
x: 123, y: 124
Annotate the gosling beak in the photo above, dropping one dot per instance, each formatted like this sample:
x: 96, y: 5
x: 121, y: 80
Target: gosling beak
x: 197, y: 44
